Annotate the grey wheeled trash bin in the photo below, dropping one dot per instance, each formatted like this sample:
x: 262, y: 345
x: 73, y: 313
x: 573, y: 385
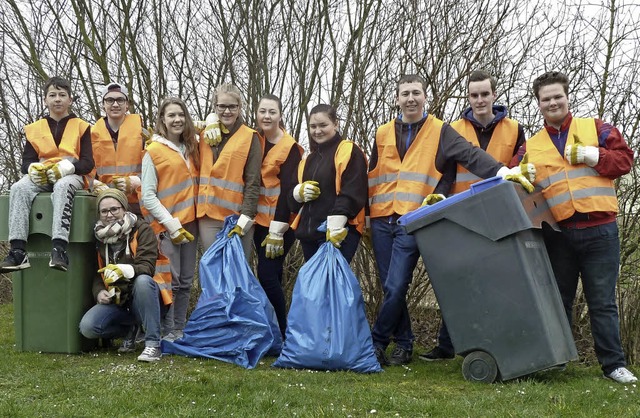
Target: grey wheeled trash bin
x: 485, y: 255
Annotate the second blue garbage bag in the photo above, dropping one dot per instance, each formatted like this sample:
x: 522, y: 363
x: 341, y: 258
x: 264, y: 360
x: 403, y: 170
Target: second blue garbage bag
x: 233, y: 320
x: 327, y: 328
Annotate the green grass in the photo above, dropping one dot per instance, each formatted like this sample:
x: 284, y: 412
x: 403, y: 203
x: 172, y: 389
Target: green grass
x: 103, y: 383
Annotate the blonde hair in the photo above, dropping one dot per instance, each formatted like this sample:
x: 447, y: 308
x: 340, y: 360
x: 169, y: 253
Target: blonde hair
x: 188, y: 136
x: 230, y: 89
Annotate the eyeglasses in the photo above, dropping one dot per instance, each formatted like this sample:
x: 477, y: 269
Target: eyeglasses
x: 224, y: 107
x: 111, y: 100
x: 112, y: 210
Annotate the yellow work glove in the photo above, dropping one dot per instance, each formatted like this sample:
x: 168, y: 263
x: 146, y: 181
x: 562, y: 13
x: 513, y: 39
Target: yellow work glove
x: 513, y: 174
x: 306, y: 191
x: 126, y: 184
x: 60, y: 169
x: 38, y: 174
x: 212, y: 132
x: 336, y: 232
x: 432, y: 198
x: 147, y: 134
x: 111, y: 273
x: 177, y: 233
x: 578, y: 153
x: 242, y: 226
x: 274, y: 241
x: 98, y: 187
x: 527, y: 169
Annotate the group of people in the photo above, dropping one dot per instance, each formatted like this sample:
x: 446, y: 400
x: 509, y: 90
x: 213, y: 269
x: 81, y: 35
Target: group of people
x: 157, y: 193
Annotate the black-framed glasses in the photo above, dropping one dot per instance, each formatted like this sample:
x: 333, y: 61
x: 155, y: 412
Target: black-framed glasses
x: 224, y: 107
x: 112, y: 210
x: 111, y: 100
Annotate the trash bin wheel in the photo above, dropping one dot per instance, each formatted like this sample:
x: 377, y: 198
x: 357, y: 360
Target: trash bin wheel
x: 479, y: 366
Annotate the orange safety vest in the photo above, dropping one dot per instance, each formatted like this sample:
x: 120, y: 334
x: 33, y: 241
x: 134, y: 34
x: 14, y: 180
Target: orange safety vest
x: 221, y: 188
x: 501, y: 145
x: 400, y: 186
x: 570, y: 188
x: 162, y: 275
x: 270, y: 188
x: 126, y: 159
x: 41, y: 138
x: 177, y: 185
x: 340, y: 160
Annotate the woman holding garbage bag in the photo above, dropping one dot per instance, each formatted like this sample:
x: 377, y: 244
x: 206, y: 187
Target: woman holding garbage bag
x: 272, y: 237
x: 169, y: 188
x: 229, y: 170
x: 332, y: 187
x: 126, y: 290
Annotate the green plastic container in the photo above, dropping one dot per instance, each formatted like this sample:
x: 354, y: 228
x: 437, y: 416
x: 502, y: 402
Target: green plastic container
x: 48, y: 303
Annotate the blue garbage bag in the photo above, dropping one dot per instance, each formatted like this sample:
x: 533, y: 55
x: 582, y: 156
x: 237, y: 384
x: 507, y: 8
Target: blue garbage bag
x: 327, y: 328
x: 233, y: 320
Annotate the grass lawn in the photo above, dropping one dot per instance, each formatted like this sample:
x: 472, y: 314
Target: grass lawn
x: 104, y: 383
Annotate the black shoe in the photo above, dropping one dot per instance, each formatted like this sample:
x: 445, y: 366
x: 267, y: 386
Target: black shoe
x: 15, y: 260
x: 400, y: 356
x: 381, y: 356
x: 436, y: 354
x: 59, y: 259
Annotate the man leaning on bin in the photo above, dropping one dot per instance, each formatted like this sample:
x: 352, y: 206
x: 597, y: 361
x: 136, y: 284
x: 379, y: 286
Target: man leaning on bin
x: 576, y: 161
x: 408, y: 156
x: 56, y: 156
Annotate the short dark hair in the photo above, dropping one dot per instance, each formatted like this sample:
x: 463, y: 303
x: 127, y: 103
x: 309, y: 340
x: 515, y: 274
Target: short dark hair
x: 548, y: 78
x: 58, y: 83
x: 411, y: 78
x: 481, y: 75
x: 329, y: 110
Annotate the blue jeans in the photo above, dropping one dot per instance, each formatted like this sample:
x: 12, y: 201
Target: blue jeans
x: 396, y: 255
x: 592, y: 254
x: 114, y: 321
x: 348, y: 247
x: 270, y: 273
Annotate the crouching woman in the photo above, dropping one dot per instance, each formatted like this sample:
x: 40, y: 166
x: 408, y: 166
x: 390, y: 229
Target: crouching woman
x: 126, y: 292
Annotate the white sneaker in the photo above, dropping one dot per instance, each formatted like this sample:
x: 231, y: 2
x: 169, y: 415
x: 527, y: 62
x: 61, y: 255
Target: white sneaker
x: 622, y: 375
x: 173, y: 335
x: 150, y: 354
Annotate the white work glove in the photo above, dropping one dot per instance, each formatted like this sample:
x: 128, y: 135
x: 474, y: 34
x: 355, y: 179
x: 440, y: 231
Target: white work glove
x: 243, y: 225
x: 98, y: 187
x: 177, y: 233
x: 336, y: 232
x: 38, y: 174
x: 126, y: 184
x: 274, y: 241
x: 60, y: 169
x: 306, y: 191
x: 432, y: 198
x: 527, y: 169
x: 514, y: 175
x: 578, y: 153
x: 114, y: 272
x: 213, y: 129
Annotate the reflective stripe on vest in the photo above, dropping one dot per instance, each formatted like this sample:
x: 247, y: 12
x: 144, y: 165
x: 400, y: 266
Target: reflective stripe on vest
x: 501, y: 147
x: 400, y: 186
x: 162, y: 275
x: 340, y: 160
x: 570, y: 188
x: 40, y: 137
x: 220, y: 192
x: 126, y: 159
x: 176, y: 185
x: 270, y: 183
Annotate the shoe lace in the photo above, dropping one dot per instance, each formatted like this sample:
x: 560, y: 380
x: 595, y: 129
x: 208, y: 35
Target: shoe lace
x: 149, y: 351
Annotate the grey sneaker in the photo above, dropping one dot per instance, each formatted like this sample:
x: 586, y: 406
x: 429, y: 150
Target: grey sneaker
x: 150, y: 354
x: 59, y: 259
x: 15, y: 260
x: 173, y: 335
x: 622, y: 375
x: 129, y: 342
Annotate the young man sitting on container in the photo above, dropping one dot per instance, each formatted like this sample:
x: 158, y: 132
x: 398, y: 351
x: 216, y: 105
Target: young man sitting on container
x: 409, y: 154
x: 118, y: 145
x: 127, y: 288
x: 484, y: 124
x: 577, y: 160
x: 56, y: 156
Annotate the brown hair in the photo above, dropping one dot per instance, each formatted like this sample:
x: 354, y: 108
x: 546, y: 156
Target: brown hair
x: 278, y: 101
x: 188, y: 136
x: 57, y: 82
x: 329, y: 110
x: 411, y: 78
x: 482, y: 75
x: 548, y: 78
